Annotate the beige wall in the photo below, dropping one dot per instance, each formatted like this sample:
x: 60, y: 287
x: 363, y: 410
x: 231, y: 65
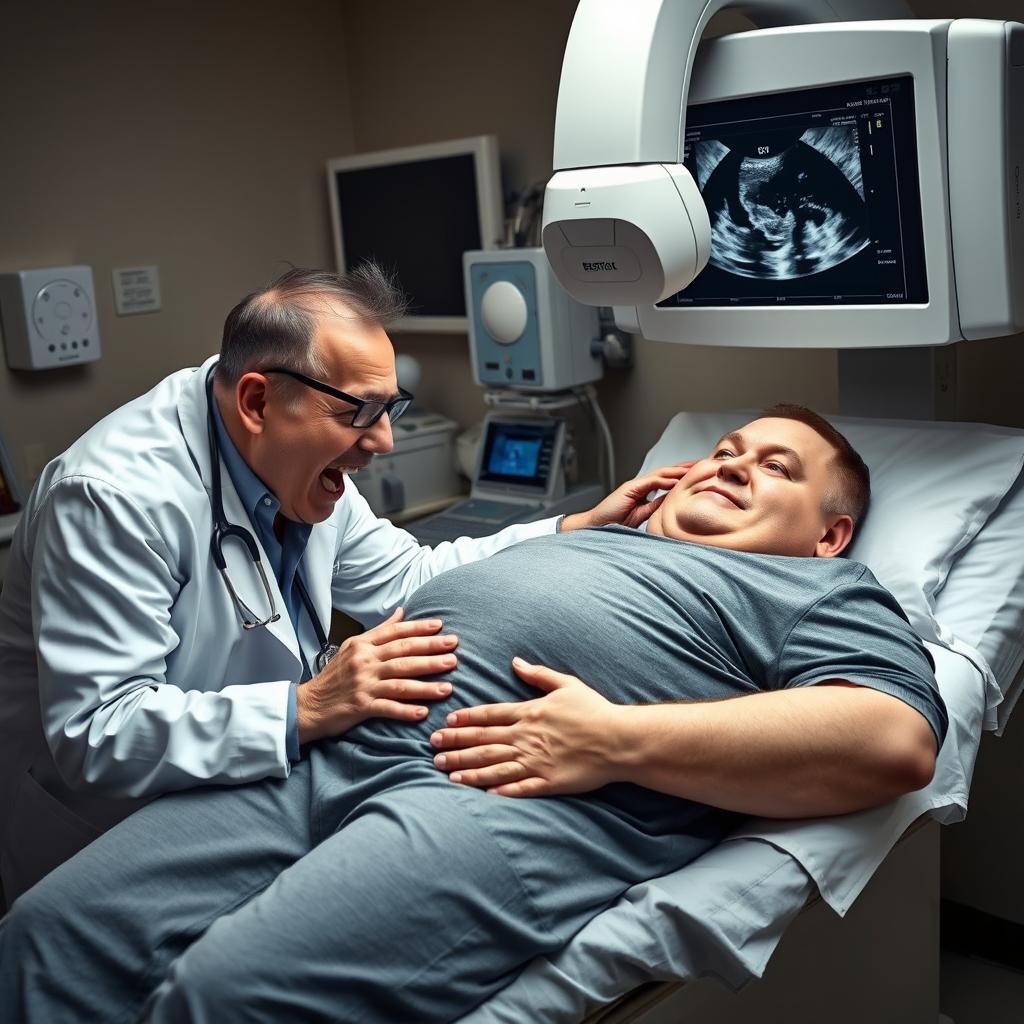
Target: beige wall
x: 191, y: 136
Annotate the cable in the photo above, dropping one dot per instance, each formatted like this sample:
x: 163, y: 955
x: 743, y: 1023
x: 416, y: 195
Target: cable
x: 527, y: 206
x: 606, y: 434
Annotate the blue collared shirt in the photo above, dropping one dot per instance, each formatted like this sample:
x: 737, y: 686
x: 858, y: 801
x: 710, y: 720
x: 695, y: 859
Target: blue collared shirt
x: 284, y: 554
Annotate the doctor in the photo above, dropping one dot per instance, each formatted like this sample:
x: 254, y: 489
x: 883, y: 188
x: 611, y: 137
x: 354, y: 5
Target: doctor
x: 163, y: 621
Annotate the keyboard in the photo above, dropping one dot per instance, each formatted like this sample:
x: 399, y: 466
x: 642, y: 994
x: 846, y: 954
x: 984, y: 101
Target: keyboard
x: 484, y: 510
x: 475, y: 517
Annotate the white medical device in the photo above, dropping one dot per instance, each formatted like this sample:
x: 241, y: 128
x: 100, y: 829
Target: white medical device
x: 415, y: 211
x: 49, y: 317
x: 525, y: 331
x: 863, y: 179
x: 418, y: 474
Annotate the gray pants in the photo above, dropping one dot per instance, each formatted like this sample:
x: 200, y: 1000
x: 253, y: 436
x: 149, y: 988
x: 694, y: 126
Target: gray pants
x: 366, y: 887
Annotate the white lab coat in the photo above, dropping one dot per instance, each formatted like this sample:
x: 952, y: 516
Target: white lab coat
x: 124, y: 670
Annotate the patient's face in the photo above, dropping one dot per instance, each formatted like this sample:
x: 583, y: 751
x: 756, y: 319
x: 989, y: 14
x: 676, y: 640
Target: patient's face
x: 761, y: 489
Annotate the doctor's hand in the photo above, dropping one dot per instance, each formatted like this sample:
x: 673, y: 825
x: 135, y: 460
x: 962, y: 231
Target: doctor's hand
x: 628, y: 504
x: 376, y: 675
x: 555, y: 744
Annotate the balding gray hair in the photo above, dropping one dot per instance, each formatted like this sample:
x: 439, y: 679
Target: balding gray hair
x: 276, y: 325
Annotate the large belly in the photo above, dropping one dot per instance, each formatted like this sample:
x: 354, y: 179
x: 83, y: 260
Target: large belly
x: 568, y: 609
x: 492, y: 628
x: 597, y: 618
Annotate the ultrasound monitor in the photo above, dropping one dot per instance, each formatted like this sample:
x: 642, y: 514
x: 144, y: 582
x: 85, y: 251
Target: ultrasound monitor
x: 813, y: 198
x: 519, y: 478
x: 860, y: 179
x: 514, y: 458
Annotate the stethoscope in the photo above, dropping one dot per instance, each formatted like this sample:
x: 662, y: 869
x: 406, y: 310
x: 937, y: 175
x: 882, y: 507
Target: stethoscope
x: 223, y: 530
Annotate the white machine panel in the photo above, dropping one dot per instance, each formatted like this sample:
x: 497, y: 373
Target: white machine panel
x: 49, y: 317
x: 418, y: 472
x: 525, y: 331
x: 955, y: 251
x: 985, y: 98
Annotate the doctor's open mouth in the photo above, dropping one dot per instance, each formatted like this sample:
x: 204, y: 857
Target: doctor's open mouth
x: 332, y: 477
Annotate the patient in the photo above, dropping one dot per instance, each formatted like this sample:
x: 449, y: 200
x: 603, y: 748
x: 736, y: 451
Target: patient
x: 369, y: 886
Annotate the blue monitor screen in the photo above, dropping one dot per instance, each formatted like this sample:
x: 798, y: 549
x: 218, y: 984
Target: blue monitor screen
x: 813, y: 197
x: 514, y: 456
x: 519, y: 453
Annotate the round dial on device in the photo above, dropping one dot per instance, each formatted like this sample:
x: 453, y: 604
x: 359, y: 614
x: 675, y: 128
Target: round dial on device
x: 61, y: 311
x: 504, y: 312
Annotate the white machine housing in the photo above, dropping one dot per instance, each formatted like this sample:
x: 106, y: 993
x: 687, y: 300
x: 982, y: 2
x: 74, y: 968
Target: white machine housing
x: 622, y: 100
x: 525, y: 331
x: 419, y: 473
x: 652, y: 233
x: 49, y: 317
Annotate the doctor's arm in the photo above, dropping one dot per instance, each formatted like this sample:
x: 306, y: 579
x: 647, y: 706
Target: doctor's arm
x: 106, y: 581
x: 811, y: 751
x: 380, y: 565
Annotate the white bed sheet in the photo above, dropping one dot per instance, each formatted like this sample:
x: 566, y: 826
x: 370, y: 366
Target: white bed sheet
x: 725, y: 913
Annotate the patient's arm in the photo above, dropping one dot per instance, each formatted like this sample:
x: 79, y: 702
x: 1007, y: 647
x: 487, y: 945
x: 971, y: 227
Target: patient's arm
x: 804, y: 752
x: 628, y: 505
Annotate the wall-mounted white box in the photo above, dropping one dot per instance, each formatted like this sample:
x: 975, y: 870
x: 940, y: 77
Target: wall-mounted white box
x: 49, y: 317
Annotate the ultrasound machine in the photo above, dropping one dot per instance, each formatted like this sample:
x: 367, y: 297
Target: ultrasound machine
x: 532, y: 349
x: 519, y: 478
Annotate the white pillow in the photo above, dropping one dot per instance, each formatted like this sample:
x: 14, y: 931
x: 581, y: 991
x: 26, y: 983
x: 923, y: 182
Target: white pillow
x: 933, y: 486
x: 982, y: 601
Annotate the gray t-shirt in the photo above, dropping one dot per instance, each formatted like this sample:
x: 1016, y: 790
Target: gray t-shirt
x: 646, y: 619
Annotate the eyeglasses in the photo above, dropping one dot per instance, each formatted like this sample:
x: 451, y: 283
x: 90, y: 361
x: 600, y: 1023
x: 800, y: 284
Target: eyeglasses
x: 367, y: 411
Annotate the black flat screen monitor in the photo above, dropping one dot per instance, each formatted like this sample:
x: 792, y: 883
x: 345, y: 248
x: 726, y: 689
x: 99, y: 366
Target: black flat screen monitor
x: 415, y: 211
x: 416, y: 219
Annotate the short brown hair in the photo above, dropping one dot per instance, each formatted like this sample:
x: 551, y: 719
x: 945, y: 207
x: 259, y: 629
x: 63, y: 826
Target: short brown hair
x: 851, y: 494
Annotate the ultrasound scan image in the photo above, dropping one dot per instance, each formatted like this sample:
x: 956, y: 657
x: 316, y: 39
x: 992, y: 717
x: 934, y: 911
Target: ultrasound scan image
x: 793, y: 213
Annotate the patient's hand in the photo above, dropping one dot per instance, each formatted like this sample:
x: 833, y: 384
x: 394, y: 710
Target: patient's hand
x: 628, y: 504
x: 557, y: 743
